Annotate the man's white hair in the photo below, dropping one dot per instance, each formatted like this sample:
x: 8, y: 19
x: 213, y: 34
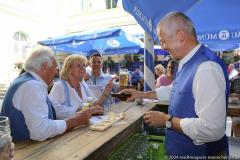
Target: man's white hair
x: 38, y: 57
x: 177, y: 20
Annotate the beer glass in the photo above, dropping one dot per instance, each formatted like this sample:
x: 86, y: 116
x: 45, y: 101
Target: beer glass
x: 123, y: 77
x: 85, y: 106
x: 5, y: 138
x: 90, y: 100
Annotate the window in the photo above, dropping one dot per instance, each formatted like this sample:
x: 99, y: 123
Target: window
x: 97, y: 5
x: 111, y: 4
x: 20, y: 44
x: 20, y: 36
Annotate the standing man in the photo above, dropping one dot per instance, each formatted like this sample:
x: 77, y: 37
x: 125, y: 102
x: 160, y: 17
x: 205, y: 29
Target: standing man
x: 196, y: 118
x: 27, y: 105
x: 99, y: 80
x: 96, y: 76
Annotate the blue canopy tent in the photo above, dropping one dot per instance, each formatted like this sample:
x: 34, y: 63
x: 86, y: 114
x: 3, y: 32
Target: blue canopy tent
x: 106, y: 41
x: 148, y: 15
x: 219, y: 27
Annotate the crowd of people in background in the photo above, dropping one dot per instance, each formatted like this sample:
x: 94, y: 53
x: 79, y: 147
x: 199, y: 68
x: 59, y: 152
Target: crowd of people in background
x: 165, y: 76
x: 234, y: 78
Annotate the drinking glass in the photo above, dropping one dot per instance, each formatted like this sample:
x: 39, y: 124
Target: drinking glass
x: 123, y: 77
x: 108, y: 103
x: 5, y: 138
x: 90, y: 100
x: 85, y: 106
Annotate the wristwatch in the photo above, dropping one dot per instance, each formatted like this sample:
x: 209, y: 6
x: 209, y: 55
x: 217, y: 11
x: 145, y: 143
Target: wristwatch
x: 169, y: 122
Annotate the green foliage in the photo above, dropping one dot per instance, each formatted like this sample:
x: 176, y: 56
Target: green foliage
x: 228, y: 59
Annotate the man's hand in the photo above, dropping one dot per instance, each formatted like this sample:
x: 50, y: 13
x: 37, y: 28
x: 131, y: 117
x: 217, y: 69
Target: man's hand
x: 84, y: 116
x: 155, y: 118
x: 134, y: 94
x: 79, y: 118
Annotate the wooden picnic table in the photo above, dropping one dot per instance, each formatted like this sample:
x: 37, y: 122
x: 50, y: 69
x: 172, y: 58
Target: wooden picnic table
x: 83, y: 143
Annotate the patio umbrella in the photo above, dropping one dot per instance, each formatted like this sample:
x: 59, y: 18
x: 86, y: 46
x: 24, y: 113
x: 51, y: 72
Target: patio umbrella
x: 217, y: 22
x: 220, y: 28
x: 148, y: 13
x: 106, y: 41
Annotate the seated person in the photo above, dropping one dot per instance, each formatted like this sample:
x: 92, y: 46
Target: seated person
x: 71, y: 91
x: 27, y: 105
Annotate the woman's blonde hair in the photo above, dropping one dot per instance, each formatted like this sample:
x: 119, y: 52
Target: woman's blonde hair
x: 68, y: 62
x: 160, y: 68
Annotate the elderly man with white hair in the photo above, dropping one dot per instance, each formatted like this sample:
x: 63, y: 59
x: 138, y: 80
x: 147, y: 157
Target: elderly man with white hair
x: 27, y: 104
x: 196, y: 119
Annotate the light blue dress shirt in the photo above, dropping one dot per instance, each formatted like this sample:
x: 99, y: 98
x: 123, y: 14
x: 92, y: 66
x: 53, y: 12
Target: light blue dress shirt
x: 102, y: 80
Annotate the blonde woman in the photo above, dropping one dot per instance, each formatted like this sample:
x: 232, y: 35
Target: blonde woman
x: 166, y: 79
x: 71, y: 91
x: 159, y: 71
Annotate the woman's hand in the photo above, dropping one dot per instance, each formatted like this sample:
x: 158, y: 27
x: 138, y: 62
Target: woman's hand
x: 106, y: 92
x: 96, y: 110
x: 109, y: 86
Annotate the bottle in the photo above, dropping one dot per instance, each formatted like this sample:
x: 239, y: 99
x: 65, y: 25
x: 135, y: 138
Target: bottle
x: 121, y: 96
